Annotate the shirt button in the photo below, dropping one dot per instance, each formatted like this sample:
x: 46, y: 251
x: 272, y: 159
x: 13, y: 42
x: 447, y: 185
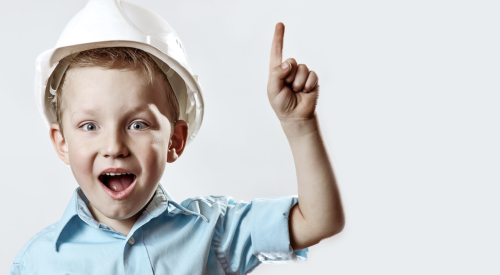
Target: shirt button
x: 131, y: 241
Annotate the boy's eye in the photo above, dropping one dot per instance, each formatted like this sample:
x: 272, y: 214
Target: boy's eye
x: 90, y: 127
x: 137, y: 125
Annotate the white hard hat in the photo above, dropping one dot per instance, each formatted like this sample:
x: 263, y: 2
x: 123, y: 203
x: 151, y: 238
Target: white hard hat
x: 116, y: 23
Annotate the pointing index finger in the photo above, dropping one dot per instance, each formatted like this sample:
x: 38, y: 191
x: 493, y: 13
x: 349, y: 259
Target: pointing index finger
x: 277, y: 46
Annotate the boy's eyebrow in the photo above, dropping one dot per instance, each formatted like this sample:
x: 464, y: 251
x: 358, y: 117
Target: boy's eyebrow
x: 134, y: 109
x: 137, y: 109
x: 84, y: 111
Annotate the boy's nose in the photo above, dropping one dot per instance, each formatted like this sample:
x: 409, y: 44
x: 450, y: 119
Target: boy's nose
x: 114, y: 146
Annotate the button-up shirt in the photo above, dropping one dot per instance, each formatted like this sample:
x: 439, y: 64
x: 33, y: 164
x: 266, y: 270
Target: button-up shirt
x: 201, y: 235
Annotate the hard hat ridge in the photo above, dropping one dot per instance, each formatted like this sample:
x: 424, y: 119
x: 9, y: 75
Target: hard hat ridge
x: 98, y: 21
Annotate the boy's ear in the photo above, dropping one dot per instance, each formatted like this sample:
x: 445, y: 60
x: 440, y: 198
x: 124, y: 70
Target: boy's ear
x: 177, y: 142
x: 59, y: 143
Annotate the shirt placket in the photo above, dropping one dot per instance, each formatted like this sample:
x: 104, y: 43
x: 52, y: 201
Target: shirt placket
x: 135, y: 255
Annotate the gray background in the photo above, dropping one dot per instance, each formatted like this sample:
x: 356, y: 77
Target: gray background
x: 408, y: 106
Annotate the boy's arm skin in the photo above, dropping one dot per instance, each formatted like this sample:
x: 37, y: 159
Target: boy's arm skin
x: 293, y: 92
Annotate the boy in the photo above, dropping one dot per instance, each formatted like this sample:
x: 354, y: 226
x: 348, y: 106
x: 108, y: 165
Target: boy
x: 121, y: 103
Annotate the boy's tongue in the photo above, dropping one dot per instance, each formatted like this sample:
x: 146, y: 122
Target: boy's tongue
x: 119, y: 183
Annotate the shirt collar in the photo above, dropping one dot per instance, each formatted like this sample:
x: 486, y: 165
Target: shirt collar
x: 161, y: 201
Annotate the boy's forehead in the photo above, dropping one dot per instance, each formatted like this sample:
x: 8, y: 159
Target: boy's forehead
x: 94, y: 86
x: 115, y: 76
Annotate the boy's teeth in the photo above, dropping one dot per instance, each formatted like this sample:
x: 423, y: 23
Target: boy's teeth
x: 116, y: 174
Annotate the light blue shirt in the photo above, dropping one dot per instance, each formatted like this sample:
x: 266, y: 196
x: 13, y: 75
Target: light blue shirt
x: 202, y: 235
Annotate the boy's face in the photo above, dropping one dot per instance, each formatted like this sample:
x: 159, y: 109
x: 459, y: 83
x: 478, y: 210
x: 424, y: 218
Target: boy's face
x: 114, y: 121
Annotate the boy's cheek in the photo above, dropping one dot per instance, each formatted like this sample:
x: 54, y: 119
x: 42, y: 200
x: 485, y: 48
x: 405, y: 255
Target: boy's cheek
x: 81, y: 157
x: 152, y: 159
x: 81, y: 163
x: 151, y: 148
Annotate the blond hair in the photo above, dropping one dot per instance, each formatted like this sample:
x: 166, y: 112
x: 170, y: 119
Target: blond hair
x: 124, y: 58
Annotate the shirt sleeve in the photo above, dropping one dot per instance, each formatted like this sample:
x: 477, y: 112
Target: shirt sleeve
x: 15, y: 269
x: 250, y: 233
x: 270, y: 233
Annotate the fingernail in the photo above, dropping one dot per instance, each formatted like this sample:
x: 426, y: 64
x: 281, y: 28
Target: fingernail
x: 284, y: 65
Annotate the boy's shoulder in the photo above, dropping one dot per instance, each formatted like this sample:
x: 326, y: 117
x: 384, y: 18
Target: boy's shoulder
x: 209, y: 200
x: 221, y: 203
x: 209, y: 205
x: 43, y: 236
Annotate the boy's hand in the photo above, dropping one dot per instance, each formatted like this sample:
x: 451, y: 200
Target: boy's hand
x: 292, y: 89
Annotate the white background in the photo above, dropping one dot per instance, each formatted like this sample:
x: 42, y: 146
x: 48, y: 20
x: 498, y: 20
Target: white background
x: 408, y: 107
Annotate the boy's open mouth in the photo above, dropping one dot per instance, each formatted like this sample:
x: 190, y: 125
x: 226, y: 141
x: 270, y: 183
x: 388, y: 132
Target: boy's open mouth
x: 117, y: 181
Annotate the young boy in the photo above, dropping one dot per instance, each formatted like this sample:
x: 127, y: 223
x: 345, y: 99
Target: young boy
x: 121, y: 103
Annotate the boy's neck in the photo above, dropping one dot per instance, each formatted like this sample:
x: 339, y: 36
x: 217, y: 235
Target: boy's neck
x: 121, y: 226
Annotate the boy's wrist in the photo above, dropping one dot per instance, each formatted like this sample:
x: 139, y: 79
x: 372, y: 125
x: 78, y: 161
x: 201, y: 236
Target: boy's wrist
x: 300, y: 127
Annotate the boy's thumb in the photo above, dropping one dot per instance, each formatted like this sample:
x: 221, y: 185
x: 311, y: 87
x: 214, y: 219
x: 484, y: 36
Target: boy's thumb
x: 285, y: 66
x: 281, y: 71
x: 277, y: 76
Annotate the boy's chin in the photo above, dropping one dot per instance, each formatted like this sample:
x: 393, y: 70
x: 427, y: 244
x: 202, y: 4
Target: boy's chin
x: 120, y: 215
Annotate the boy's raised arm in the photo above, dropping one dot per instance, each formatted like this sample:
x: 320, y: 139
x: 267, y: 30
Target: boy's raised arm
x: 293, y: 92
